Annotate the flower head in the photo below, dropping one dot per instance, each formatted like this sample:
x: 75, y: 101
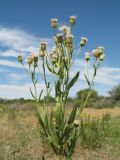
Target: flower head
x: 69, y: 38
x: 76, y: 123
x: 35, y: 57
x: 43, y: 46
x: 83, y: 41
x: 101, y: 58
x: 29, y: 60
x: 72, y: 20
x: 98, y: 52
x: 20, y: 59
x: 54, y: 23
x: 65, y: 29
x: 87, y: 56
x: 59, y: 38
x: 42, y: 53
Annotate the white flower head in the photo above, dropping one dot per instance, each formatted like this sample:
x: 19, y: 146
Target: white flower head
x: 84, y: 39
x: 87, y: 53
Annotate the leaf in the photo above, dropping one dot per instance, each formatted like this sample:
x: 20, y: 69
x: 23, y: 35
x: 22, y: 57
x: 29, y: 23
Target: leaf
x: 73, y: 81
x: 50, y: 68
x: 40, y: 94
x: 72, y: 115
x: 32, y: 93
x: 95, y: 70
x: 87, y: 80
x: 36, y: 81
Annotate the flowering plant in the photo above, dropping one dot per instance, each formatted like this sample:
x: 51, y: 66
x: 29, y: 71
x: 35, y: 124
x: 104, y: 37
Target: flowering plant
x: 61, y: 132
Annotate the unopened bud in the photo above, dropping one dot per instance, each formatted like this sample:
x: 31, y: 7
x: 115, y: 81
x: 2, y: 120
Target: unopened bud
x: 20, y: 59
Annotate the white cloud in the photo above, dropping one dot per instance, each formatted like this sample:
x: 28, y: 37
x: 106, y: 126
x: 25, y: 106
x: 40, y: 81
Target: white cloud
x: 18, y: 41
x: 16, y: 77
x: 18, y: 91
x: 8, y: 63
x: 105, y: 75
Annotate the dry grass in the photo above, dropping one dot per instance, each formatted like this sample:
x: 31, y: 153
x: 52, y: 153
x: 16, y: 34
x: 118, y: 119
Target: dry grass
x: 23, y: 125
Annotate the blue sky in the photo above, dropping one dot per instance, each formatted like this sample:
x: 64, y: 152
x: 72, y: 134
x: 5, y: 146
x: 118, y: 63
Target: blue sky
x: 24, y: 23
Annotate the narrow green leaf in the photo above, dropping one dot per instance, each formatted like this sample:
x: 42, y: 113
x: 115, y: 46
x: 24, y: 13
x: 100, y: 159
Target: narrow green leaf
x: 73, y: 81
x: 32, y: 93
x: 87, y: 80
x: 40, y: 94
x: 95, y: 70
x: 72, y: 115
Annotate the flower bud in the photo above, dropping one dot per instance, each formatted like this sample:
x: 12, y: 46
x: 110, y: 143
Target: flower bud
x: 54, y: 23
x: 83, y: 41
x: 42, y: 53
x: 43, y: 46
x: 54, y: 57
x: 59, y: 38
x: 69, y: 39
x: 95, y: 53
x: 35, y: 57
x: 55, y: 39
x: 101, y: 58
x: 20, y: 59
x: 98, y: 52
x: 87, y: 56
x: 65, y: 59
x: 29, y: 60
x: 72, y: 20
x: 76, y: 123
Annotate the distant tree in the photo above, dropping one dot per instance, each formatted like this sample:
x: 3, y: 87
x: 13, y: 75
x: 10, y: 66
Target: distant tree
x: 82, y: 94
x: 81, y: 97
x: 115, y: 93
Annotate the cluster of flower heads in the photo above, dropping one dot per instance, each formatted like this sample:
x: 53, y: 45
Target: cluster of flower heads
x: 63, y: 39
x: 98, y: 53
